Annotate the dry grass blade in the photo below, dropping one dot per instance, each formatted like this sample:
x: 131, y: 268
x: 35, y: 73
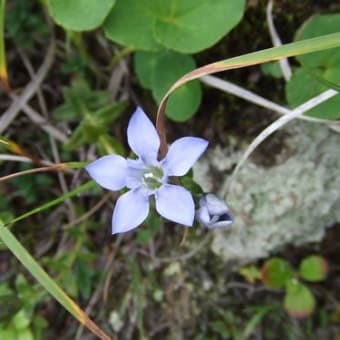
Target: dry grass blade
x: 271, y: 54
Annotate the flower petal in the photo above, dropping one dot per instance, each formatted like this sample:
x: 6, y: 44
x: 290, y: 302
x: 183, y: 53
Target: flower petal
x: 215, y: 205
x: 182, y: 155
x: 143, y: 137
x: 108, y: 171
x: 176, y: 204
x: 134, y: 173
x: 202, y: 215
x: 130, y: 211
x: 224, y: 221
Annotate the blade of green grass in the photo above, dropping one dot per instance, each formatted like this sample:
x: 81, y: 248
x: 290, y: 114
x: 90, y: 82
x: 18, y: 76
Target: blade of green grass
x: 275, y: 53
x: 54, y: 202
x: 46, y: 281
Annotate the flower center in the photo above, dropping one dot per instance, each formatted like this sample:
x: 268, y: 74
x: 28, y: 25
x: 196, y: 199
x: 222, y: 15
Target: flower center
x: 152, y: 177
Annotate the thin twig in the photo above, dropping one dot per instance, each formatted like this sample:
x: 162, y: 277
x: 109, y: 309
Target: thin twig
x: 88, y: 213
x: 188, y: 255
x: 42, y: 122
x: 252, y: 97
x: 19, y: 102
x: 54, y: 167
x: 31, y: 72
x: 43, y: 107
x: 14, y: 158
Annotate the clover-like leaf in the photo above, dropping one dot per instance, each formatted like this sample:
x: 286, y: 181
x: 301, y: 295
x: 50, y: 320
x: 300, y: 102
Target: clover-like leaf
x: 189, y: 26
x: 303, y: 86
x: 131, y: 24
x: 315, y: 26
x: 159, y: 70
x: 144, y: 64
x: 80, y: 15
x: 299, y: 301
x: 276, y: 272
x: 177, y: 25
x: 313, y: 268
x: 319, y: 70
x: 272, y: 69
x: 185, y: 101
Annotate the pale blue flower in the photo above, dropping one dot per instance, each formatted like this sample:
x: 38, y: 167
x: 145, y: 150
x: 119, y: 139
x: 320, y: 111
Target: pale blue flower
x: 147, y: 176
x: 213, y: 213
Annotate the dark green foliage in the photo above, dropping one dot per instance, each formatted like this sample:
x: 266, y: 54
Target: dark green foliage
x: 25, y: 22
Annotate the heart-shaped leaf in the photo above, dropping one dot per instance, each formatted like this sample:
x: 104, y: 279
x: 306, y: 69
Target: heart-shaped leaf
x: 145, y: 63
x: 313, y: 268
x: 178, y: 25
x: 299, y: 300
x: 189, y: 26
x: 80, y: 15
x: 159, y: 70
x: 315, y: 26
x: 131, y: 24
x: 276, y: 272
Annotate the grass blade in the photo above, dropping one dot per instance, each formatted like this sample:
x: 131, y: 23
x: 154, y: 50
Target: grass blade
x: 54, y: 202
x: 271, y: 54
x: 47, y: 282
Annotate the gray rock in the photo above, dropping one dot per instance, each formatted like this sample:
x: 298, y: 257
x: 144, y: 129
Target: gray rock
x: 292, y: 202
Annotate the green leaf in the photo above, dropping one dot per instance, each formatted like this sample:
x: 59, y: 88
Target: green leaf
x: 158, y: 70
x: 84, y: 276
x: 80, y: 99
x: 46, y: 281
x: 255, y: 320
x: 5, y: 290
x: 54, y: 202
x: 276, y: 272
x: 131, y: 24
x: 190, y: 26
x: 150, y: 228
x: 24, y: 334
x: 7, y: 333
x: 80, y: 15
x: 271, y: 54
x: 303, y: 86
x: 185, y: 101
x: 144, y: 64
x: 38, y: 326
x: 21, y: 320
x: 178, y: 25
x: 272, y: 69
x: 318, y: 70
x: 315, y: 26
x: 188, y: 182
x: 25, y: 23
x: 299, y: 301
x: 313, y: 268
x: 95, y: 125
x: 250, y: 273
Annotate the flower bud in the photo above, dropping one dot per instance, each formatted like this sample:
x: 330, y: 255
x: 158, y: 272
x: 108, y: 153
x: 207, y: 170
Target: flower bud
x: 213, y: 212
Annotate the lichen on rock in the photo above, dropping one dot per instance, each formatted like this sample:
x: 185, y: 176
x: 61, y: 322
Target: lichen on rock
x: 292, y: 202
